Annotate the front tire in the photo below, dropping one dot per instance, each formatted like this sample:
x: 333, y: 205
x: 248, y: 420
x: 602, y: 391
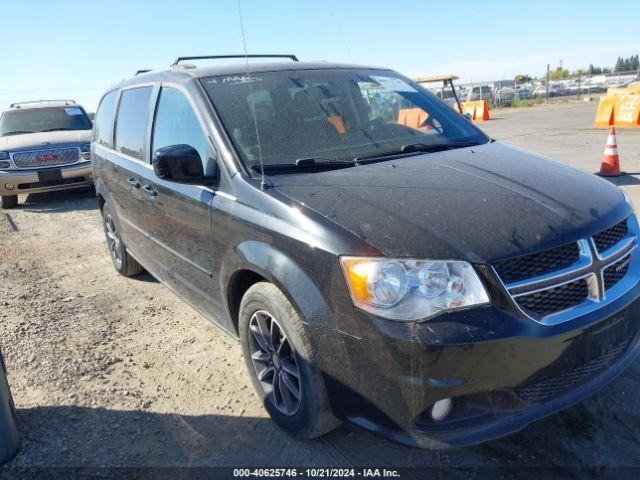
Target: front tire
x: 124, y: 263
x: 282, y: 365
x: 8, y: 201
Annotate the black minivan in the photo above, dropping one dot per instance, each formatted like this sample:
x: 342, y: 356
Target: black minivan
x: 380, y: 259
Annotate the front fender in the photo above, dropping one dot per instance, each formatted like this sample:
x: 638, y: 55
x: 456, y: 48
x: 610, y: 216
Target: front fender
x: 281, y: 270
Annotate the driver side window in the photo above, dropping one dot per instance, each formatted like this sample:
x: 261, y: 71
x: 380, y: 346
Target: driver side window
x: 176, y: 123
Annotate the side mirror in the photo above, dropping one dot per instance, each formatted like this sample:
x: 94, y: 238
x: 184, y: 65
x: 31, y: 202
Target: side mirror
x: 467, y: 116
x: 179, y: 163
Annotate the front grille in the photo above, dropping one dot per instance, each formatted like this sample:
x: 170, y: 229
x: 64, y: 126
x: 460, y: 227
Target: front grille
x: 528, y: 266
x: 616, y: 272
x: 554, y: 387
x: 556, y: 299
x: 608, y: 238
x: 547, y: 283
x: 46, y: 158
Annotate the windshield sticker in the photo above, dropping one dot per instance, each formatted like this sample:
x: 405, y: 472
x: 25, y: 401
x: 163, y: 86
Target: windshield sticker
x: 233, y: 79
x: 73, y: 111
x: 394, y: 84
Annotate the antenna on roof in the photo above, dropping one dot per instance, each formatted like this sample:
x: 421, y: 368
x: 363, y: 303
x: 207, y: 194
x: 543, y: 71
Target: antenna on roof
x: 263, y: 183
x: 344, y: 40
x: 140, y: 72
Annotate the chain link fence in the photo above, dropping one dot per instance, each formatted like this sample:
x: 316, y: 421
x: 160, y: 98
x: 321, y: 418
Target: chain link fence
x: 506, y: 93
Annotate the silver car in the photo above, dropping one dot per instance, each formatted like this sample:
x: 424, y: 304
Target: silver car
x: 44, y: 146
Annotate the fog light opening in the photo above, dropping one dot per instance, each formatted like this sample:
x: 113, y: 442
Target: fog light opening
x: 441, y: 409
x: 9, y: 186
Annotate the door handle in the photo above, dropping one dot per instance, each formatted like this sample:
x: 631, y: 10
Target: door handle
x: 151, y: 193
x: 134, y: 183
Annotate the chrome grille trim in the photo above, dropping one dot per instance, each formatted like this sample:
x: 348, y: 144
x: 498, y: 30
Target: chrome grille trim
x: 524, y: 267
x: 556, y: 278
x: 590, y: 266
x: 29, y: 158
x: 558, y: 283
x: 556, y: 295
x: 627, y: 243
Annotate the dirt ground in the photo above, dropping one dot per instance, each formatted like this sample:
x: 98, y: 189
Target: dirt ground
x: 114, y: 372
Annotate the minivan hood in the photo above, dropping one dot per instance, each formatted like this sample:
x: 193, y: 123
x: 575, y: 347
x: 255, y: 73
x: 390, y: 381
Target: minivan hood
x: 36, y: 140
x: 479, y: 204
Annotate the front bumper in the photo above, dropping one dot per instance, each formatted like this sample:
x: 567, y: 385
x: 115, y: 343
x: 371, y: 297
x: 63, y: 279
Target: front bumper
x: 27, y: 180
x: 502, y: 372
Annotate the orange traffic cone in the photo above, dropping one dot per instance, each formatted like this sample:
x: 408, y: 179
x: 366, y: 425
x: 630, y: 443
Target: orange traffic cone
x: 610, y: 166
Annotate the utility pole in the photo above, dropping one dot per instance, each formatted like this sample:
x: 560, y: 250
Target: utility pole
x: 579, y: 85
x: 548, y: 77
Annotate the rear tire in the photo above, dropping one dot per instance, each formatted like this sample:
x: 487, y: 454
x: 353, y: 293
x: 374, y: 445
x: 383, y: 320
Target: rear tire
x: 8, y: 201
x: 287, y: 353
x: 124, y: 263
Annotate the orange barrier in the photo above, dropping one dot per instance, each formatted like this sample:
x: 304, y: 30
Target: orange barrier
x: 604, y: 115
x: 627, y: 111
x: 338, y: 124
x: 419, y: 119
x: 620, y: 107
x: 479, y: 110
x: 633, y: 89
x: 413, y: 118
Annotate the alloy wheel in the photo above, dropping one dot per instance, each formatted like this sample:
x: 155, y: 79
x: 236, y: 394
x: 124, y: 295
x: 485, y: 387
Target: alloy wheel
x: 274, y: 362
x: 113, y: 240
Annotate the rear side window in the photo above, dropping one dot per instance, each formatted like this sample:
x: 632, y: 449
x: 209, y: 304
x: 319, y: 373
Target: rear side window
x: 131, y: 123
x: 176, y: 123
x: 103, y: 124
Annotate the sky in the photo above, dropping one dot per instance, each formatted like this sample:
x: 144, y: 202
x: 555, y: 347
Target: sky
x: 77, y: 49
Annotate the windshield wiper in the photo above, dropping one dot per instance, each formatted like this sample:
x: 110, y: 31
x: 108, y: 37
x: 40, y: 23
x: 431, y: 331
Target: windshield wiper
x: 310, y: 162
x: 55, y: 129
x: 417, y: 148
x: 321, y: 161
x: 425, y: 147
x: 16, y: 132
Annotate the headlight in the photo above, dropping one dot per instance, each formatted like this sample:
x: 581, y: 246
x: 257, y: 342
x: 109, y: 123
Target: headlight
x: 4, y: 155
x: 412, y: 289
x: 85, y: 147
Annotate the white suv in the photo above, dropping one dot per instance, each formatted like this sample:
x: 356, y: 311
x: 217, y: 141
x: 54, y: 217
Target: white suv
x: 44, y: 146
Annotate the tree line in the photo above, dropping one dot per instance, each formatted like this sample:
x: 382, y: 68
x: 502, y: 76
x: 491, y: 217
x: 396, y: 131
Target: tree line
x: 622, y: 65
x: 626, y: 64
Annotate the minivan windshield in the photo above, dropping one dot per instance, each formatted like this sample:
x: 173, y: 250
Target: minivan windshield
x: 48, y: 119
x: 283, y: 117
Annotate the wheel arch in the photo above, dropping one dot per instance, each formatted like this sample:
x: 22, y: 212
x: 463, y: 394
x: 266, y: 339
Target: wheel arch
x: 254, y: 261
x: 101, y: 192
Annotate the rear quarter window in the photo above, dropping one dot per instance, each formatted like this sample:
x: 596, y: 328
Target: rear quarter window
x: 103, y: 123
x: 131, y: 121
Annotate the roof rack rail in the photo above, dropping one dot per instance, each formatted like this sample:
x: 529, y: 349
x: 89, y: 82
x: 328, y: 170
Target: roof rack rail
x: 17, y: 104
x: 140, y: 72
x: 215, y: 57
